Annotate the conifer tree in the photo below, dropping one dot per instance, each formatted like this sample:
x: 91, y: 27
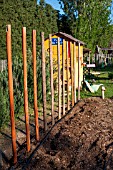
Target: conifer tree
x: 29, y: 14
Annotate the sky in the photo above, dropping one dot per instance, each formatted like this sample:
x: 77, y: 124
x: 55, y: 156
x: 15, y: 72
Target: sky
x: 53, y: 3
x: 112, y: 12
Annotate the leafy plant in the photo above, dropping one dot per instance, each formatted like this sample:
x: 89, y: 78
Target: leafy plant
x: 110, y: 75
x: 4, y: 104
x: 19, y: 87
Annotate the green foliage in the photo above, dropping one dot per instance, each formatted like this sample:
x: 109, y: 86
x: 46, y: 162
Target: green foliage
x: 4, y: 114
x: 29, y: 14
x: 24, y: 13
x: 4, y: 99
x: 110, y: 75
x: 18, y: 85
x: 89, y: 21
x: 39, y: 77
x: 64, y: 24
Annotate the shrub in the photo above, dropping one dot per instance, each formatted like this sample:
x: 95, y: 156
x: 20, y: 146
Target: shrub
x: 4, y: 99
x: 18, y: 85
x: 110, y: 75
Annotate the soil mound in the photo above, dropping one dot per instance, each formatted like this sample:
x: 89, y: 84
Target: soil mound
x: 83, y: 140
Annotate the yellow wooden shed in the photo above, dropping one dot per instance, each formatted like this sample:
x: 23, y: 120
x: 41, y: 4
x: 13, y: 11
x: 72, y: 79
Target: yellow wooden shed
x: 73, y: 48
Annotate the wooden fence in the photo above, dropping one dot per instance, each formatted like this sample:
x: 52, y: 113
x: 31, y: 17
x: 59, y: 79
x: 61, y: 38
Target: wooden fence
x: 65, y: 102
x: 3, y: 65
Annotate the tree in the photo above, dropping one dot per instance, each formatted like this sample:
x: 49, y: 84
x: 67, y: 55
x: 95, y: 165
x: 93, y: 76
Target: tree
x: 46, y: 18
x: 25, y: 13
x: 90, y: 20
x: 17, y: 13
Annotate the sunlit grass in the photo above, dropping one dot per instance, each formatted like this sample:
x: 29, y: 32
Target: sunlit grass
x: 103, y: 78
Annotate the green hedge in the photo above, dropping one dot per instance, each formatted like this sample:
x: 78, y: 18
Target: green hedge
x: 18, y: 86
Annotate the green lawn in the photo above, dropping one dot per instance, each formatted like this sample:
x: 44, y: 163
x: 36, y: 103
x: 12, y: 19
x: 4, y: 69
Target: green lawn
x: 104, y: 79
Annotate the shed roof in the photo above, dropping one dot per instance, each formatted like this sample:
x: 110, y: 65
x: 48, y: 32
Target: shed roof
x: 69, y: 37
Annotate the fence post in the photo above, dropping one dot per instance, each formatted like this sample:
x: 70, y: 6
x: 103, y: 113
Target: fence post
x: 78, y: 71
x: 74, y: 72
x: 25, y: 88
x: 59, y: 83
x: 63, y: 65
x: 44, y: 82
x: 51, y: 79
x: 67, y: 76
x: 35, y: 83
x: 11, y: 97
x: 72, y: 81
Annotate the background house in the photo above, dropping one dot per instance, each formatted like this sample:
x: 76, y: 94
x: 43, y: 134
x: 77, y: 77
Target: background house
x: 103, y: 56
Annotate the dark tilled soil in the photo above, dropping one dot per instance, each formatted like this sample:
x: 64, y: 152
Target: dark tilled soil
x: 81, y: 141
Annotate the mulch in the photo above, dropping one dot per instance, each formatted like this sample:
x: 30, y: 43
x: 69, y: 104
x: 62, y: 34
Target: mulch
x: 83, y: 140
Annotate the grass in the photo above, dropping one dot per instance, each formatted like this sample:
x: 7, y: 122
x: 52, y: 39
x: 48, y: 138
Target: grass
x: 104, y: 79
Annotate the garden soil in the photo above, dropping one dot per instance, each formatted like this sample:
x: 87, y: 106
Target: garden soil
x: 83, y: 140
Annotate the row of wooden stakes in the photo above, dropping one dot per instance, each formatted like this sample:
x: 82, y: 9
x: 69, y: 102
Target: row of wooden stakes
x: 10, y: 85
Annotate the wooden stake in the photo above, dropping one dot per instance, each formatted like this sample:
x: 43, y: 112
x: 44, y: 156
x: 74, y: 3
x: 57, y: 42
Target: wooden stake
x: 59, y: 84
x: 25, y: 88
x: 75, y: 72
x: 78, y: 71
x: 11, y: 97
x: 52, y: 87
x: 44, y: 82
x: 72, y: 79
x: 35, y: 83
x: 67, y: 76
x: 63, y: 65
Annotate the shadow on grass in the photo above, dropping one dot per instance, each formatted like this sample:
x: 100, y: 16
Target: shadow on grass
x: 102, y: 78
x: 107, y: 69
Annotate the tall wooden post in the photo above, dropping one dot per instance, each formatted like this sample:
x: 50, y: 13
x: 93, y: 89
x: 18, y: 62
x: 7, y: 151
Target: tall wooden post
x: 89, y: 57
x: 51, y: 79
x: 72, y: 78
x: 75, y: 72
x: 78, y: 71
x: 25, y: 88
x: 11, y: 97
x: 67, y: 76
x: 59, y: 83
x: 35, y: 83
x: 44, y: 82
x: 63, y: 66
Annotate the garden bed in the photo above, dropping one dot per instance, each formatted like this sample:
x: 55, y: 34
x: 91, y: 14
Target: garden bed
x: 83, y: 140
